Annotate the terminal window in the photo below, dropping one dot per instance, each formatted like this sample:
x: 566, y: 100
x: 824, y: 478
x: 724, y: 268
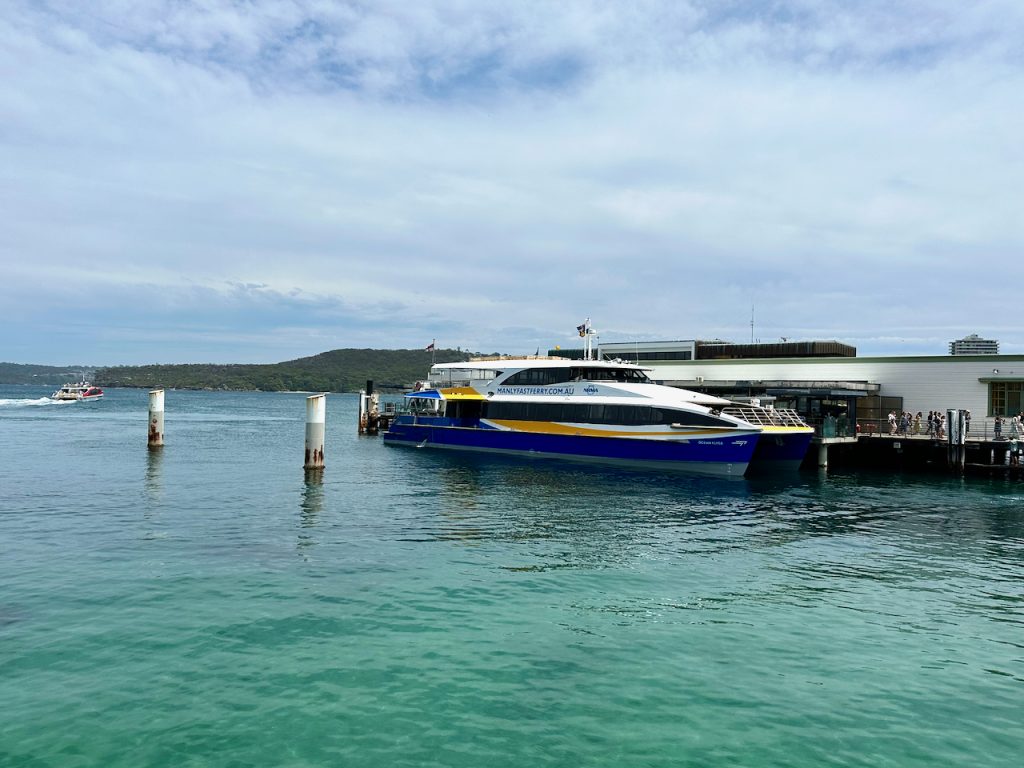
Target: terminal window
x: 1005, y: 398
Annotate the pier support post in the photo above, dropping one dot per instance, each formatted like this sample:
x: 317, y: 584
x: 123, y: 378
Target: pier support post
x: 369, y: 410
x: 822, y: 455
x: 316, y: 419
x: 156, y: 419
x: 956, y: 439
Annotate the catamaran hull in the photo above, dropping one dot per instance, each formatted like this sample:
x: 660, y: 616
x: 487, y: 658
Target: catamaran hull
x: 720, y: 456
x: 780, y: 451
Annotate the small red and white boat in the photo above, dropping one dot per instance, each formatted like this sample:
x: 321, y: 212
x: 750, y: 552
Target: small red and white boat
x: 83, y: 390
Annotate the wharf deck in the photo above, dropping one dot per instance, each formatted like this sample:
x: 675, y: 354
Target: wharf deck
x: 983, y: 455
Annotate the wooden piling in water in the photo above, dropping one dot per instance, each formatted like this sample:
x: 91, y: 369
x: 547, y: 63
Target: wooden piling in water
x: 316, y: 419
x: 956, y: 439
x: 156, y: 419
x: 369, y: 410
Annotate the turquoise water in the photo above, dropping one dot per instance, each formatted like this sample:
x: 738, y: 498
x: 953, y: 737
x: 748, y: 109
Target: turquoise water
x: 206, y: 606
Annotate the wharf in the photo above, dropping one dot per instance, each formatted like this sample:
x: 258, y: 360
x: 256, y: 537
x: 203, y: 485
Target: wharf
x: 982, y: 455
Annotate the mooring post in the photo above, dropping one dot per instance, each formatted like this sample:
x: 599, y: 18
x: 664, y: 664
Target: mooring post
x: 956, y: 448
x: 316, y: 418
x: 823, y: 454
x: 156, y: 419
x: 962, y: 430
x: 369, y: 411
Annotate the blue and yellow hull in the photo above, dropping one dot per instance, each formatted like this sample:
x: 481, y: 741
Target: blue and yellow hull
x: 711, y: 452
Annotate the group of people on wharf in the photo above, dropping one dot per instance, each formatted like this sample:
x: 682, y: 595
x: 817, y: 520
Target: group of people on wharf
x: 1016, y: 427
x: 907, y: 423
x: 1016, y: 431
x: 934, y: 425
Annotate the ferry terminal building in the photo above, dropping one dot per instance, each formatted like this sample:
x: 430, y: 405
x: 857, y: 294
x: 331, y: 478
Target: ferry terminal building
x: 821, y: 379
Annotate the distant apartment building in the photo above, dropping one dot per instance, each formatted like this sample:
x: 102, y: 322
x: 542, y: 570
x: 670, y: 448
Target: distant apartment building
x: 974, y: 345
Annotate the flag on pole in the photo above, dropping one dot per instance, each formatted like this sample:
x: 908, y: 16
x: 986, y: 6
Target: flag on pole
x: 430, y: 347
x: 582, y: 330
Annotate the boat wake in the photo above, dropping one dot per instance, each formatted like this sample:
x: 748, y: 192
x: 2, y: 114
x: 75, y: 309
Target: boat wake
x: 25, y: 402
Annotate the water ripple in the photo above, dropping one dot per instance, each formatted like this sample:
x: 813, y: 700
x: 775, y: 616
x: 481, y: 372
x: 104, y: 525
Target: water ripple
x: 209, y: 604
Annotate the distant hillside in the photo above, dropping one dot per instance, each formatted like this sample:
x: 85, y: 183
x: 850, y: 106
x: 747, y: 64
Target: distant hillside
x: 341, y: 370
x: 49, y: 375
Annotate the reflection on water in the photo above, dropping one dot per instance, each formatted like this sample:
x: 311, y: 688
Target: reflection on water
x: 312, y: 499
x: 311, y: 507
x: 582, y: 516
x: 153, y: 482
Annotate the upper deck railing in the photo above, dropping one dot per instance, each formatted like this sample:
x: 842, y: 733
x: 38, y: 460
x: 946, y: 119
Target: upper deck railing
x: 765, y: 417
x: 493, y: 358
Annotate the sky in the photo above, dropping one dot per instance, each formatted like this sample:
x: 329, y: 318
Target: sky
x: 216, y: 181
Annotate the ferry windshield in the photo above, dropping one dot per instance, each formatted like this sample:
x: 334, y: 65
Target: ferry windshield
x: 425, y: 406
x: 461, y: 377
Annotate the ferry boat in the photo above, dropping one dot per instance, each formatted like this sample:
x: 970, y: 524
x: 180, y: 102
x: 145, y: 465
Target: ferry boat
x: 594, y: 411
x: 83, y: 390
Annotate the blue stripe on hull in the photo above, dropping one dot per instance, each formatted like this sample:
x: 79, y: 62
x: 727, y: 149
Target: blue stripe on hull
x: 727, y: 455
x: 780, y: 451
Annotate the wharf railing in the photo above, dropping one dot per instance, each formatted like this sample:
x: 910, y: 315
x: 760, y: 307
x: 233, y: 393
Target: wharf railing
x: 984, y: 429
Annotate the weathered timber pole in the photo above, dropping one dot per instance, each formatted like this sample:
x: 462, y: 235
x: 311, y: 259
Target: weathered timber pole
x: 369, y: 411
x: 316, y: 418
x: 156, y: 419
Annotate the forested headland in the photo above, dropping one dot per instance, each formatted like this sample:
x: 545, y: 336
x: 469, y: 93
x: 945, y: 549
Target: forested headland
x: 340, y: 370
x: 43, y: 375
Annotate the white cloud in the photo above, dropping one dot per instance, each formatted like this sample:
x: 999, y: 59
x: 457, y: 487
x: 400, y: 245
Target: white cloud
x: 511, y: 169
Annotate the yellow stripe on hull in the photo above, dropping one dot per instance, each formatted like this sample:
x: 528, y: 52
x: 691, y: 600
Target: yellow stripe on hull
x: 553, y: 428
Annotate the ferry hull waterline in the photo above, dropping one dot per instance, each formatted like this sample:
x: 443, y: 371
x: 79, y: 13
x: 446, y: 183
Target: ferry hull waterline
x: 726, y: 456
x: 600, y: 412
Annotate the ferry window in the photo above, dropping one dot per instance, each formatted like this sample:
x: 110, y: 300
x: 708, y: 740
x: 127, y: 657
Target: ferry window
x: 463, y: 409
x: 589, y: 374
x: 538, y: 377
x: 552, y: 412
x: 516, y: 411
x: 587, y: 413
x: 422, y: 405
x: 625, y: 375
x: 690, y: 419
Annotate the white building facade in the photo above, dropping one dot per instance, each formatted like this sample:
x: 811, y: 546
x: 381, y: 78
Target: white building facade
x: 986, y: 385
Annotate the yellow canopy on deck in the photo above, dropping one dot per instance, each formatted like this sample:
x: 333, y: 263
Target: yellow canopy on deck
x: 460, y: 393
